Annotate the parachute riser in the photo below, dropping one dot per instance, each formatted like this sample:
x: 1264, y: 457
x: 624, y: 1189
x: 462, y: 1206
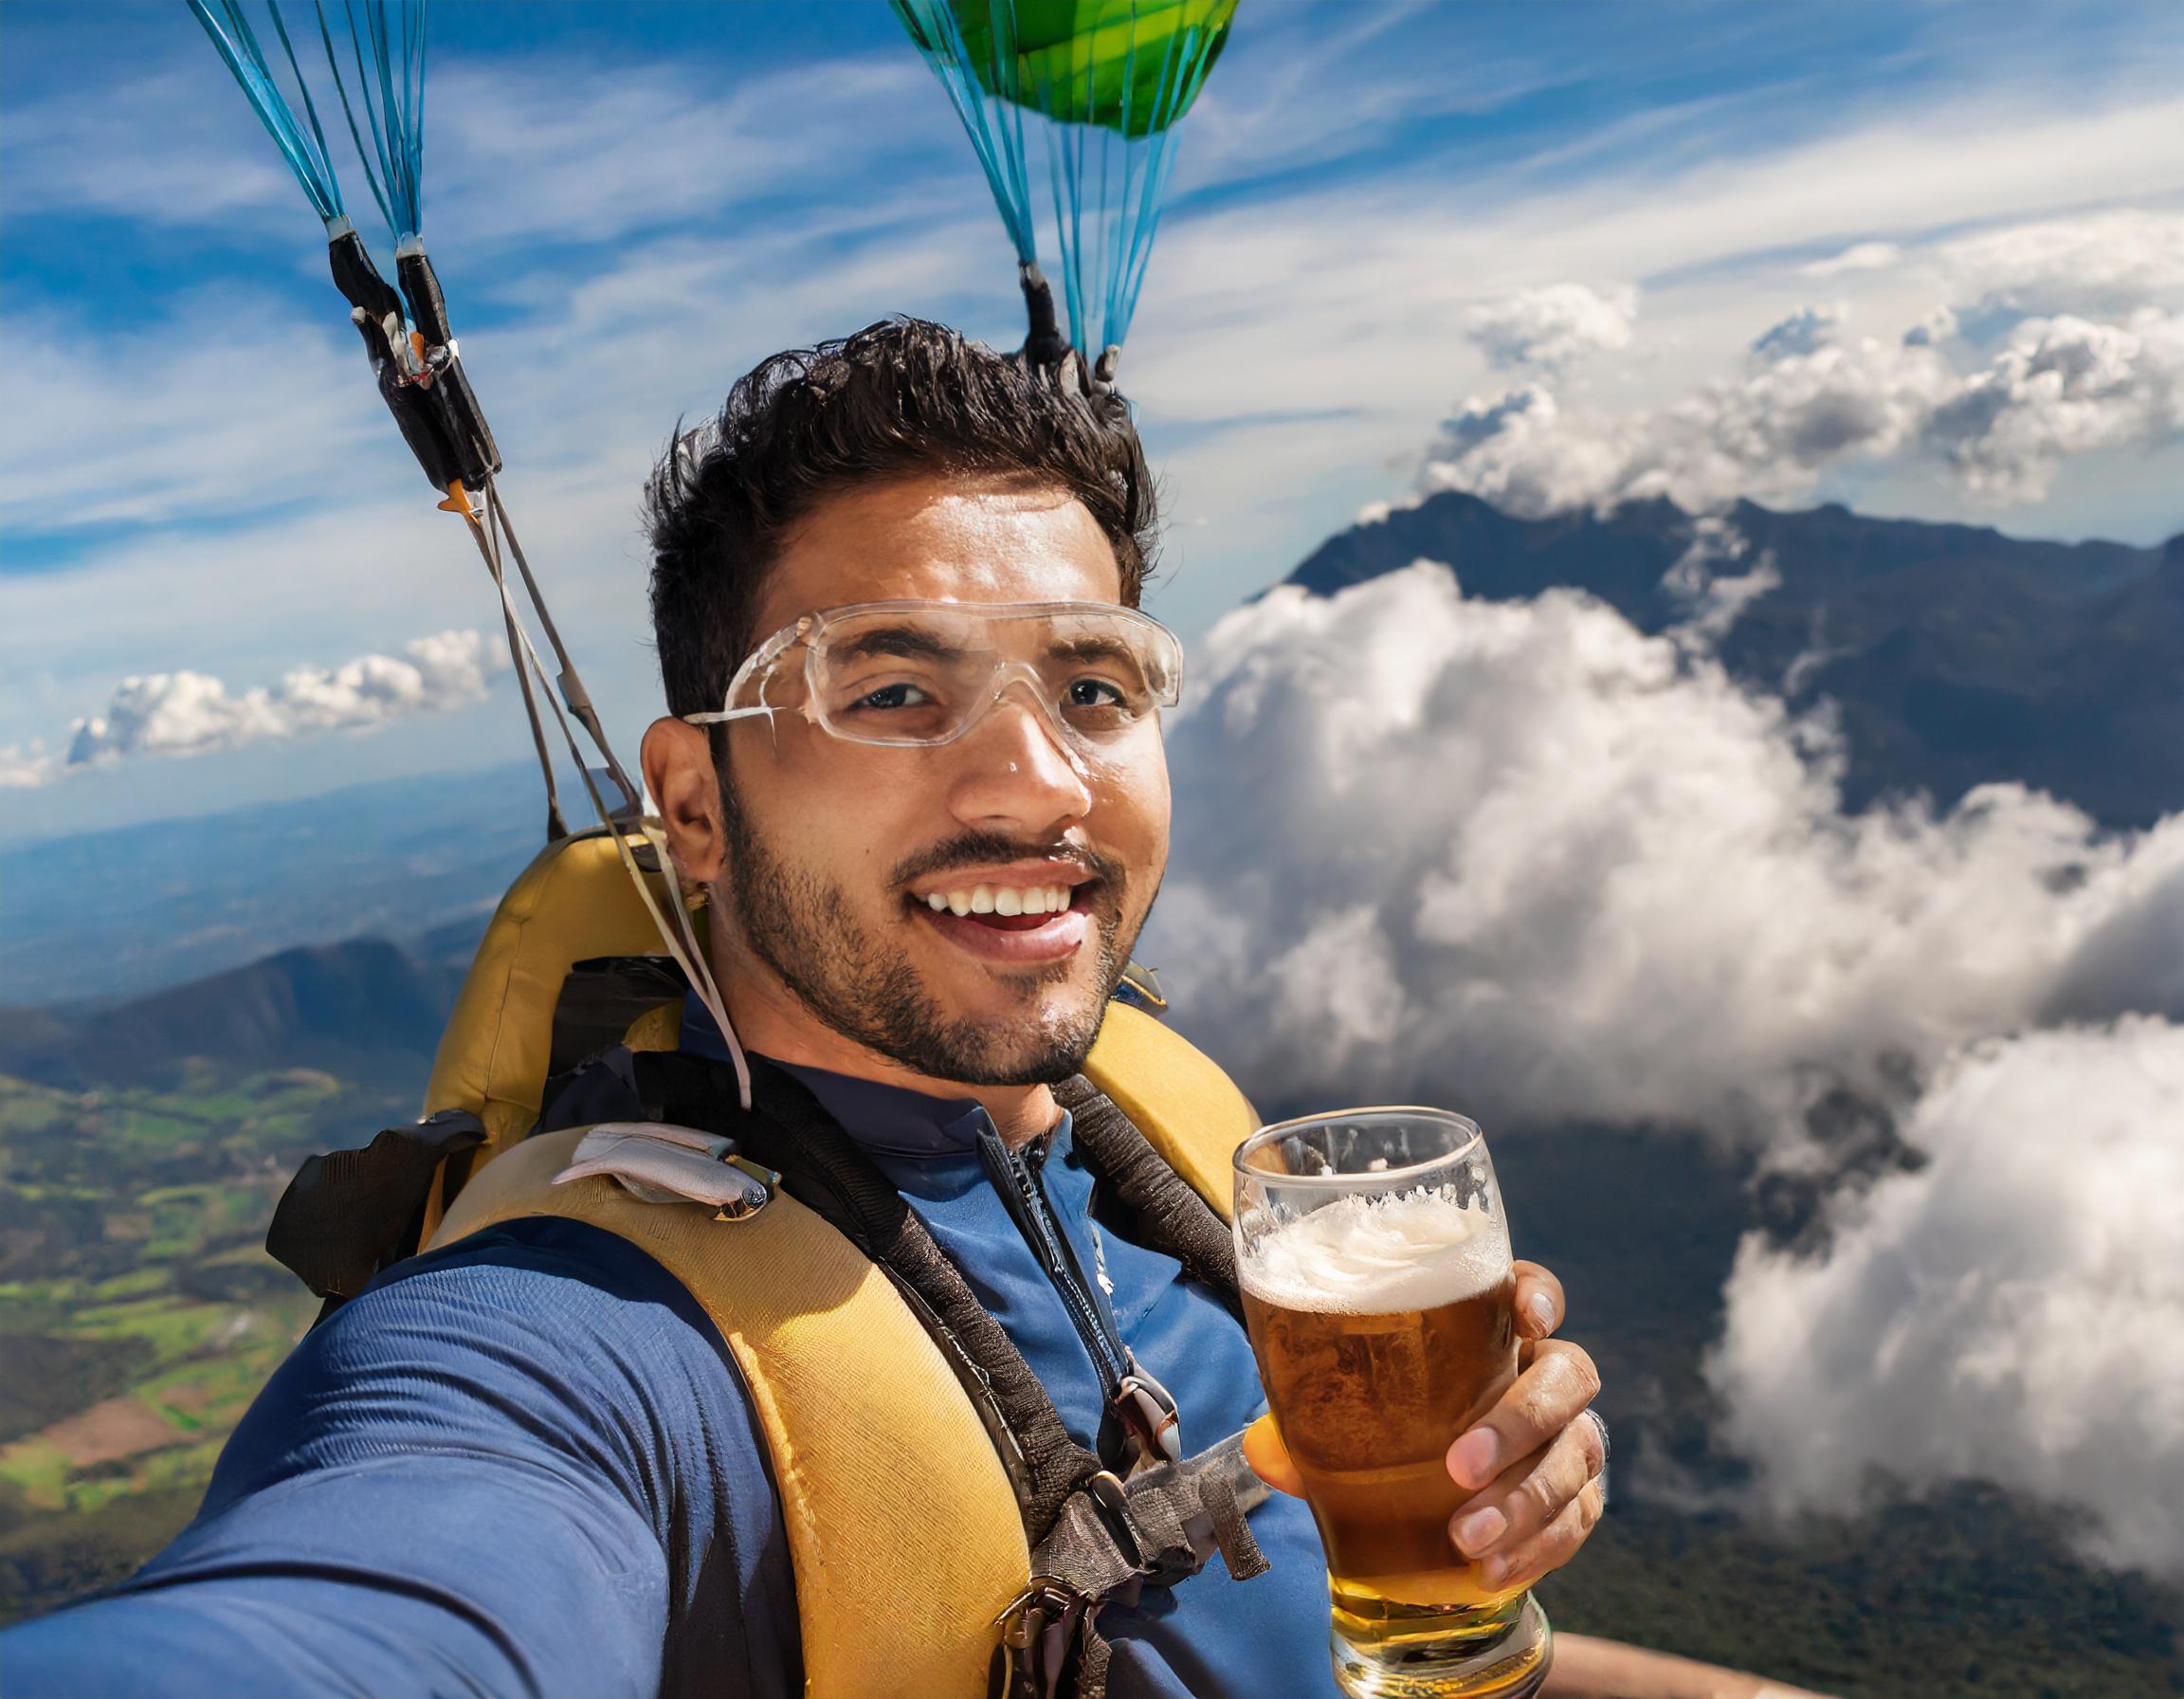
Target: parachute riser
x: 420, y: 374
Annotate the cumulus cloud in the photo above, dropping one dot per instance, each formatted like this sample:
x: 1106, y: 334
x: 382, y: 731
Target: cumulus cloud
x: 2009, y: 1311
x: 2046, y: 341
x: 1551, y: 326
x: 2056, y: 388
x: 191, y: 713
x: 1523, y: 857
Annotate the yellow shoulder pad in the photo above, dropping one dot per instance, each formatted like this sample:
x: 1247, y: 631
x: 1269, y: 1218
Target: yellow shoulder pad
x: 1176, y: 1095
x: 903, y: 1528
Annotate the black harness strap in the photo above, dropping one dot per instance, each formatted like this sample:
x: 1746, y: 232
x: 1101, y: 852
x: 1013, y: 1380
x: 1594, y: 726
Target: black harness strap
x: 601, y: 999
x: 1171, y: 1216
x: 823, y: 1168
x: 348, y: 1214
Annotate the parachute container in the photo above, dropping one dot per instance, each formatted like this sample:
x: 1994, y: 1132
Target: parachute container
x: 1096, y: 88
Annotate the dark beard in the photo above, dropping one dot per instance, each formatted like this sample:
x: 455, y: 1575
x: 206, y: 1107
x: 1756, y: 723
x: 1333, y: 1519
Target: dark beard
x: 804, y: 930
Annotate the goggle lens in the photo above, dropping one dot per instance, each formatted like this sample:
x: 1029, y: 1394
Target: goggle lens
x: 924, y: 673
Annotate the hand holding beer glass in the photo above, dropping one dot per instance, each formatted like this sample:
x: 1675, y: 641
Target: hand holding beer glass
x: 1374, y: 1257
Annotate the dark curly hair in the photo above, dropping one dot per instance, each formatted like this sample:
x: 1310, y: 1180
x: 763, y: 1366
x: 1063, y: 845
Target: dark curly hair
x: 898, y: 398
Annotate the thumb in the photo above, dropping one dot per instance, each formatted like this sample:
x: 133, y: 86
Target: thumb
x: 1269, y: 1458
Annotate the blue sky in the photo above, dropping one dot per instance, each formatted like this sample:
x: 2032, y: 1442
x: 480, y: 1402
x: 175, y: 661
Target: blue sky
x: 1374, y: 208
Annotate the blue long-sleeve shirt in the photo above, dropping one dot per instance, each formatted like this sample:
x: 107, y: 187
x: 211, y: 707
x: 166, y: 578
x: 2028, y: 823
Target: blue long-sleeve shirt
x: 526, y: 1464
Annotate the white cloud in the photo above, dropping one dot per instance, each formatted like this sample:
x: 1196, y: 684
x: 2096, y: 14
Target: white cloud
x: 1861, y: 256
x: 2101, y: 262
x: 1552, y: 325
x: 24, y: 766
x: 1519, y: 858
x: 1523, y: 858
x: 2058, y: 389
x: 2055, y: 389
x: 2010, y: 1310
x: 190, y: 713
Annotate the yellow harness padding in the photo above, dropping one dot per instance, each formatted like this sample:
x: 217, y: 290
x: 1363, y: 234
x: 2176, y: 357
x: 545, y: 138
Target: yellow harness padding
x: 573, y: 903
x: 903, y: 1532
x: 903, y: 1529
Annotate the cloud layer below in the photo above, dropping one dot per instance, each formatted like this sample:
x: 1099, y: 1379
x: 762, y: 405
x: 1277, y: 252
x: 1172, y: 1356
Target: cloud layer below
x: 2009, y: 1311
x: 1523, y: 853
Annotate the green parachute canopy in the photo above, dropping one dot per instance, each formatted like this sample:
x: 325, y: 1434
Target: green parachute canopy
x: 1133, y: 67
x: 1103, y: 84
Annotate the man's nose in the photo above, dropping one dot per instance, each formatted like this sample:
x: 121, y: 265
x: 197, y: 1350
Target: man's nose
x: 1016, y: 770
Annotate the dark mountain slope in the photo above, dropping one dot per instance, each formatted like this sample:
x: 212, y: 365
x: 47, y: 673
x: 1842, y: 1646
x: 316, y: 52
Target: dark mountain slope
x: 1956, y: 655
x: 363, y: 1010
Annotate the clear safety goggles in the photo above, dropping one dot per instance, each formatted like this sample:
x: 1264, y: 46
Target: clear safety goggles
x: 921, y: 673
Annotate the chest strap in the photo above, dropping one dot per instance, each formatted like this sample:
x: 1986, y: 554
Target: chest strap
x: 1110, y: 1541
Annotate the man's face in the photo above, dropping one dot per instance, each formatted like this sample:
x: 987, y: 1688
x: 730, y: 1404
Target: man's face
x: 834, y: 848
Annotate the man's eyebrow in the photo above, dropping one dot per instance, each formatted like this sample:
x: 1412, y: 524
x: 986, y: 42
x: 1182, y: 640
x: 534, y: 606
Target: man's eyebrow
x: 1090, y: 647
x: 909, y: 642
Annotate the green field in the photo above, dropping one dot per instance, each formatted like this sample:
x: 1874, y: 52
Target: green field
x: 138, y: 1311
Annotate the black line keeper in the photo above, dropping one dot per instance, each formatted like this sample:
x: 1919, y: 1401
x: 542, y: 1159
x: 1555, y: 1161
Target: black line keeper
x: 350, y: 1213
x: 454, y: 402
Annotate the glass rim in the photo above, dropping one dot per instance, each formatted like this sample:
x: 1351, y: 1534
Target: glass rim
x: 1268, y: 1134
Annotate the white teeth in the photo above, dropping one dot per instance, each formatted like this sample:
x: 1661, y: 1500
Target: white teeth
x: 1002, y: 899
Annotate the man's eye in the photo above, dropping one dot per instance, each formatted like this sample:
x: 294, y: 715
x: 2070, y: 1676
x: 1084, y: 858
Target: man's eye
x: 894, y: 696
x: 1095, y: 693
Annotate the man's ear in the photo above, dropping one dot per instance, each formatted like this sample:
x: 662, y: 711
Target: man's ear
x: 678, y: 761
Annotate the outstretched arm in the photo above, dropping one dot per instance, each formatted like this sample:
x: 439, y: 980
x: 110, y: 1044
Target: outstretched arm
x: 499, y: 1472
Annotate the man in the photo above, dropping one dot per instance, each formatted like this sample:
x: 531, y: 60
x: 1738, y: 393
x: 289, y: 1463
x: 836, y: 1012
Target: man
x: 527, y: 1463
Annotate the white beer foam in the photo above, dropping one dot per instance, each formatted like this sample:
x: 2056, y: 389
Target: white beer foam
x: 1364, y: 1255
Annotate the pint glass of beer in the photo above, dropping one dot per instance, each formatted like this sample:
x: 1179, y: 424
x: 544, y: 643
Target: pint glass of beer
x: 1373, y: 1258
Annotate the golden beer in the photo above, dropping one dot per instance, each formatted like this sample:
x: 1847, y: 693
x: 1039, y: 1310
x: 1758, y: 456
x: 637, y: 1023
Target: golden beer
x: 1381, y: 1313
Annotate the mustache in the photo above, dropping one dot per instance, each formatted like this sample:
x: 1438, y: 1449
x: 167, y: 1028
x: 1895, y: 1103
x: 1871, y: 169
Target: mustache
x: 973, y: 848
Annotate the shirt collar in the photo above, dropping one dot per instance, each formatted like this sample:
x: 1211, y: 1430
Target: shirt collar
x: 889, y: 1120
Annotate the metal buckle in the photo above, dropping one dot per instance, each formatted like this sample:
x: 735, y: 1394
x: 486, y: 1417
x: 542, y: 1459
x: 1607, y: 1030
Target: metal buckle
x: 765, y: 1176
x: 1038, y: 1629
x: 1111, y: 1499
x: 1147, y: 1409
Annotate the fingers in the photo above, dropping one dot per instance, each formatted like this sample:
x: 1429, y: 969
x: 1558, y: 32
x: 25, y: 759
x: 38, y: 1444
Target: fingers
x: 1538, y: 1300
x: 1543, y: 1401
x: 1269, y: 1458
x: 1529, y: 1495
x: 1552, y: 1547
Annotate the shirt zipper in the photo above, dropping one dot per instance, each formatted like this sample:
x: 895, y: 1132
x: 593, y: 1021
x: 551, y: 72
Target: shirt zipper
x: 1025, y: 1198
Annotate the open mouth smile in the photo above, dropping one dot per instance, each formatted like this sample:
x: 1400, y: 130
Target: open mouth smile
x: 1023, y: 918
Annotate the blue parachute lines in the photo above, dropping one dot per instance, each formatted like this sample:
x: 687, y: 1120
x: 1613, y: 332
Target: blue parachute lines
x: 1100, y: 85
x: 390, y: 60
x: 995, y: 127
x: 1108, y: 190
x: 305, y: 152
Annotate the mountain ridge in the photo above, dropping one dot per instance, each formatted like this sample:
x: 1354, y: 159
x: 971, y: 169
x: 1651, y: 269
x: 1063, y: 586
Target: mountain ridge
x: 1954, y: 655
x: 365, y: 1009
